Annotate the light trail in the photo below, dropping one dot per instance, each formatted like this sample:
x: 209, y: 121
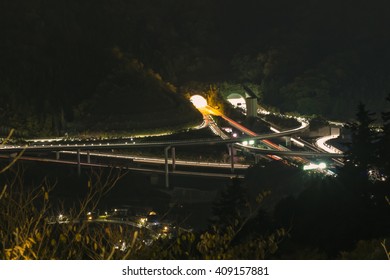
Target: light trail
x: 321, y: 143
x: 162, y: 161
x: 138, y: 169
x: 251, y: 133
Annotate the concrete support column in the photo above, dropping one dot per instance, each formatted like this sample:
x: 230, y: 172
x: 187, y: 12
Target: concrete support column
x: 173, y: 154
x: 166, y: 149
x: 88, y: 157
x: 57, y: 155
x: 256, y: 158
x: 288, y: 142
x: 231, y: 148
x: 78, y: 162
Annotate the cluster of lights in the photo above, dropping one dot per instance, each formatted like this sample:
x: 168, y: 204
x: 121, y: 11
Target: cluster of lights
x: 313, y: 166
x: 62, y: 219
x: 250, y: 142
x: 142, y: 221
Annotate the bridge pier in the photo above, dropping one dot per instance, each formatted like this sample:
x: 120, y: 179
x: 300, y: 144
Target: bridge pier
x: 57, y: 155
x: 78, y: 162
x: 231, y: 150
x: 88, y: 157
x: 257, y: 158
x: 288, y: 142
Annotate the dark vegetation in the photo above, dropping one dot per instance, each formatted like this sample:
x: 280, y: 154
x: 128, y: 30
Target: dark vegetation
x: 68, y: 65
x: 317, y: 123
x: 71, y: 66
x: 256, y: 125
x: 298, y: 215
x: 332, y: 217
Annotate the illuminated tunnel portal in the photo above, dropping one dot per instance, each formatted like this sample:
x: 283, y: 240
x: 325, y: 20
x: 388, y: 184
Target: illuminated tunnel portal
x: 237, y: 100
x: 198, y: 101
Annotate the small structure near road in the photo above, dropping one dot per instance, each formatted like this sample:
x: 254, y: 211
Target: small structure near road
x: 237, y: 100
x: 247, y: 101
x: 251, y: 102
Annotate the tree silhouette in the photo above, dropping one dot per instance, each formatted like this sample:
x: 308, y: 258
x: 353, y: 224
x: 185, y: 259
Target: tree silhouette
x: 231, y: 205
x: 362, y: 151
x: 384, y: 149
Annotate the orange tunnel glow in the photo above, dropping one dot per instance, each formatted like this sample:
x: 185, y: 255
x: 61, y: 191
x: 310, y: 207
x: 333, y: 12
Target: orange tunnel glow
x: 198, y: 101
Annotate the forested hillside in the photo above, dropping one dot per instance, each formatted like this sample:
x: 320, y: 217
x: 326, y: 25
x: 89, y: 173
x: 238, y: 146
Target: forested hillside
x: 58, y: 58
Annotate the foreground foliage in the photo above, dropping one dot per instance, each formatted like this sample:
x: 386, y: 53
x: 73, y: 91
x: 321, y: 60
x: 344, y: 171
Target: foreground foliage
x: 34, y: 226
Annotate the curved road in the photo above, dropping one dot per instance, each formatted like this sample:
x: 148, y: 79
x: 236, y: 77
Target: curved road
x: 36, y: 147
